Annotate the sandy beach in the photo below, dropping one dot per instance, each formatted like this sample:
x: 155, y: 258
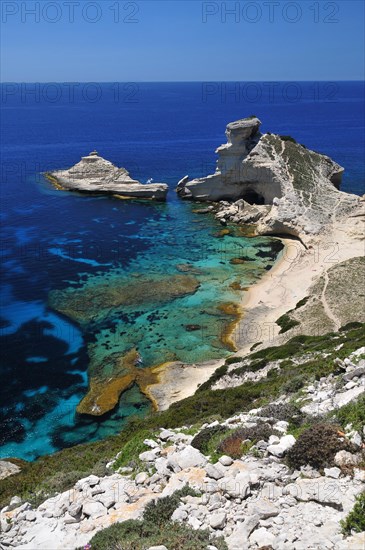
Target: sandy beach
x: 296, y: 269
x: 294, y: 272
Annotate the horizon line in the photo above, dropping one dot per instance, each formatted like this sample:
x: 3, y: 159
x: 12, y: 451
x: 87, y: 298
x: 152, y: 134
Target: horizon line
x: 164, y: 81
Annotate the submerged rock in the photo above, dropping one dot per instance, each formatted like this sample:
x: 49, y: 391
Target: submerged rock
x: 192, y: 328
x: 95, y: 299
x: 278, y: 184
x: 94, y: 174
x: 104, y: 392
x: 113, y: 372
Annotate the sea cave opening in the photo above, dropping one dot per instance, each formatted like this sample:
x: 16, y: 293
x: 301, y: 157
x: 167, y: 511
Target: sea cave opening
x: 252, y: 197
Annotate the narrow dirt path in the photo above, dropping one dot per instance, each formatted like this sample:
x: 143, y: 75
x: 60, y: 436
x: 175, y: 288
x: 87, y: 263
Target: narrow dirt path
x: 326, y: 307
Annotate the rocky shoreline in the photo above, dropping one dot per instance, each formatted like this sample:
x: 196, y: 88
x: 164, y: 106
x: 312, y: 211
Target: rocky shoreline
x: 273, y: 296
x: 319, y: 225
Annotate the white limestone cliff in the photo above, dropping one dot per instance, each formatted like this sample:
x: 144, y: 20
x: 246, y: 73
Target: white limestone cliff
x: 297, y: 189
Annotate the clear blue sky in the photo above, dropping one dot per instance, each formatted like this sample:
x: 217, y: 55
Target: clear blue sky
x: 175, y: 40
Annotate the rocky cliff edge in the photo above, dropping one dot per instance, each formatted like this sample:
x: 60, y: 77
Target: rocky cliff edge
x: 274, y: 182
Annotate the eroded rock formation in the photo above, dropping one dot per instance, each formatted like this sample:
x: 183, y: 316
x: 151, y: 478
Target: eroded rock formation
x: 279, y: 184
x: 93, y: 174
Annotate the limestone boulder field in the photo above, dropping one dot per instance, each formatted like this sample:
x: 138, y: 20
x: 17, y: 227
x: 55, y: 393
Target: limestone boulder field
x: 94, y: 174
x: 259, y: 500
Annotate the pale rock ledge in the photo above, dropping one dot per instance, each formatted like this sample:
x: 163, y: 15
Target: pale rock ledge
x: 94, y: 174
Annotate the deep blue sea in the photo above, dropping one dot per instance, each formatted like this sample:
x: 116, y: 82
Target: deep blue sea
x: 54, y: 240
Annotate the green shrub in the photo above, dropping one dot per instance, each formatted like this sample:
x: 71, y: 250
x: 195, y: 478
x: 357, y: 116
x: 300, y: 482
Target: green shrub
x: 131, y: 450
x: 100, y: 468
x: 352, y: 413
x: 139, y: 535
x: 287, y: 138
x: 294, y: 384
x: 60, y: 480
x: 272, y: 373
x: 191, y: 430
x: 262, y: 430
x: 286, y: 323
x: 355, y: 521
x: 317, y: 446
x: 32, y: 483
x: 254, y: 366
x: 159, y: 511
x: 255, y: 346
x: 232, y: 360
x: 302, y: 302
x: 296, y: 428
x: 351, y: 326
x: 283, y: 411
x: 219, y: 373
x: 202, y: 440
x: 232, y: 444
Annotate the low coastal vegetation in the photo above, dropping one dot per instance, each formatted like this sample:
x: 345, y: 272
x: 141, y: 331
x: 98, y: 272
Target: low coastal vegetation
x: 207, y: 439
x: 128, y: 455
x: 156, y: 528
x: 287, y: 138
x: 317, y: 446
x: 242, y: 439
x: 286, y: 323
x: 353, y: 413
x: 339, y: 293
x: 175, y: 536
x: 314, y: 358
x: 355, y: 521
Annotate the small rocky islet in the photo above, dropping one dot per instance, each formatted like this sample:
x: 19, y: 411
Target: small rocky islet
x: 94, y: 174
x: 281, y: 465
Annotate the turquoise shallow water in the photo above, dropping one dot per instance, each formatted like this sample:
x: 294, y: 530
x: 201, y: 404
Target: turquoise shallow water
x: 163, y: 241
x: 157, y: 327
x: 54, y: 241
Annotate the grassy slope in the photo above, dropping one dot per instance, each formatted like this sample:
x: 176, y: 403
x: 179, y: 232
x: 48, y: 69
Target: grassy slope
x: 344, y: 294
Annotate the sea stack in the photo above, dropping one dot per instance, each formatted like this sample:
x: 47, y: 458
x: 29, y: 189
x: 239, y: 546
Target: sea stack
x: 272, y: 181
x: 94, y: 174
